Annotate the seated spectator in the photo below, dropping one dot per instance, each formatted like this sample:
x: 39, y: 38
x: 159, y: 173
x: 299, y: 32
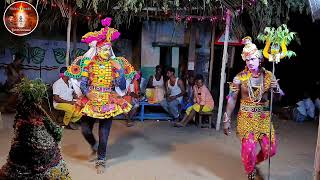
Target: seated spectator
x: 157, y: 79
x: 305, y: 109
x: 188, y: 98
x: 14, y: 72
x: 64, y: 98
x: 174, y: 93
x: 133, y: 97
x: 14, y: 76
x: 157, y: 83
x: 203, y: 102
x: 317, y: 103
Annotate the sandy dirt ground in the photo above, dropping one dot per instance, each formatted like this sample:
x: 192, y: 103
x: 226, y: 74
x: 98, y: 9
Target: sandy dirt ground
x: 157, y: 151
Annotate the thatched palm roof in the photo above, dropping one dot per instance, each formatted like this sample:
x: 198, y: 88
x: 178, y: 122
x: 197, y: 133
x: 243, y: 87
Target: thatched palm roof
x: 261, y: 13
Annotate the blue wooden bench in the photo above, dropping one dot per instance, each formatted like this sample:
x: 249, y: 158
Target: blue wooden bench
x: 153, y: 115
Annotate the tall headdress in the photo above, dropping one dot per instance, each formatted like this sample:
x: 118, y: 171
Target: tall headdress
x: 105, y: 36
x: 250, y: 49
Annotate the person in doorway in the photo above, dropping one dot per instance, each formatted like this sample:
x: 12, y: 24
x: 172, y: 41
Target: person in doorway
x: 64, y: 99
x: 203, y: 102
x: 254, y: 85
x: 175, y: 91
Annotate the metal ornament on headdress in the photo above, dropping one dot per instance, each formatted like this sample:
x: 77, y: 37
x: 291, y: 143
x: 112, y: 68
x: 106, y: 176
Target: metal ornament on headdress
x: 250, y: 49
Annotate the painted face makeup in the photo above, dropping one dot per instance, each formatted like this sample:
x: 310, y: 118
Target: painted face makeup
x: 104, y: 51
x: 252, y: 63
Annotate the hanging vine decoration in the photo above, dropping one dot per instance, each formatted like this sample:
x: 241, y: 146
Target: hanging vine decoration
x: 274, y: 13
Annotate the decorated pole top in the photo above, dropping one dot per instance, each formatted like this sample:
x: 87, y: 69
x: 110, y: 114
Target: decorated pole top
x: 277, y: 41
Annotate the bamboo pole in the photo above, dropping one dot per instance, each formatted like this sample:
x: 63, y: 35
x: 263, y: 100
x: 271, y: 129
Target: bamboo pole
x: 68, y: 37
x: 223, y: 69
x: 213, y: 34
x: 74, y: 36
x: 270, y: 123
x: 317, y: 157
x: 1, y: 121
x: 192, y: 46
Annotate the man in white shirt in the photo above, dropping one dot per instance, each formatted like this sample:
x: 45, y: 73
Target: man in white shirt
x: 64, y: 98
x: 174, y: 93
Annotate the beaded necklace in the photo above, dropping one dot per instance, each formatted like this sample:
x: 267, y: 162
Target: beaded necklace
x: 256, y: 95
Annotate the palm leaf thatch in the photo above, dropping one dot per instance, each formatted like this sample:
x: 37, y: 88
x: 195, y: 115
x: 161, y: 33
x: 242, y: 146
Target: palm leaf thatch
x: 261, y: 13
x: 275, y: 13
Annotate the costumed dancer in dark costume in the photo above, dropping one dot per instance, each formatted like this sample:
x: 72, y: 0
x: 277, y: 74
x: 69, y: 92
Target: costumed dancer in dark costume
x: 34, y: 153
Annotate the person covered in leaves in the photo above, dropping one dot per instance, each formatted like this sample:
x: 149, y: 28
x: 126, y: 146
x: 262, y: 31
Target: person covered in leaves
x: 35, y: 152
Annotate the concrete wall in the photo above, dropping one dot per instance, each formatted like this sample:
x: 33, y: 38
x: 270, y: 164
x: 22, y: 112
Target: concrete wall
x: 50, y: 54
x: 150, y: 56
x: 159, y: 32
x: 172, y: 34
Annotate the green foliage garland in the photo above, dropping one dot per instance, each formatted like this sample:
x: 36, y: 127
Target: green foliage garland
x: 277, y: 36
